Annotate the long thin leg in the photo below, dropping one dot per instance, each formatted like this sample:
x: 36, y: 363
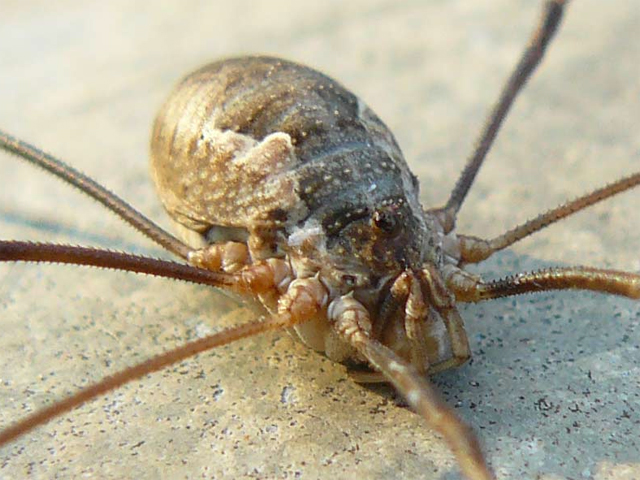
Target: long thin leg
x: 474, y: 250
x: 262, y: 277
x: 303, y: 299
x: 353, y: 324
x: 138, y: 371
x: 468, y: 288
x: 530, y: 59
x: 92, y: 188
x: 428, y: 403
x: 18, y: 251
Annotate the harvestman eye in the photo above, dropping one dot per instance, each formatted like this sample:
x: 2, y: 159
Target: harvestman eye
x: 275, y: 176
x: 386, y: 222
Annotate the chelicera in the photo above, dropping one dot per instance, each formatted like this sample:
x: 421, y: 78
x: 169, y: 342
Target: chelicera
x: 292, y: 192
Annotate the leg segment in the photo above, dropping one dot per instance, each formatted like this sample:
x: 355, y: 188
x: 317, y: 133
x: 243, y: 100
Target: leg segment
x: 92, y: 188
x: 351, y: 321
x: 468, y: 288
x: 303, y: 300
x: 530, y: 59
x: 474, y: 250
x: 266, y: 278
x: 228, y: 257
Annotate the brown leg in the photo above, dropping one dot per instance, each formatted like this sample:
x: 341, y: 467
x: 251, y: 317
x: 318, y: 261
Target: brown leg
x: 474, y: 250
x: 266, y: 277
x: 530, y: 59
x: 92, y: 188
x: 17, y: 251
x: 302, y: 300
x: 468, y: 288
x: 351, y: 321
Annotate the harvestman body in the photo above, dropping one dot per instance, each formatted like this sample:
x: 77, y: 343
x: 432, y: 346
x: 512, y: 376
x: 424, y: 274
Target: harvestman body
x: 290, y: 190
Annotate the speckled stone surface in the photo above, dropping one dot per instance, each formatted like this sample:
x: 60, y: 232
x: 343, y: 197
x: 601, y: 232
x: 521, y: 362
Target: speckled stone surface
x: 553, y: 390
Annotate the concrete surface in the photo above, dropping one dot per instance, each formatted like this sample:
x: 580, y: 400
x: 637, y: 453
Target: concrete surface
x: 553, y: 390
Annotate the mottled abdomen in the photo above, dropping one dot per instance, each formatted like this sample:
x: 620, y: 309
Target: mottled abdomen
x: 268, y: 146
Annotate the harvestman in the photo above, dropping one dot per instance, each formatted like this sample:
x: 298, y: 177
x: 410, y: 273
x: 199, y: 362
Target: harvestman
x: 254, y: 155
